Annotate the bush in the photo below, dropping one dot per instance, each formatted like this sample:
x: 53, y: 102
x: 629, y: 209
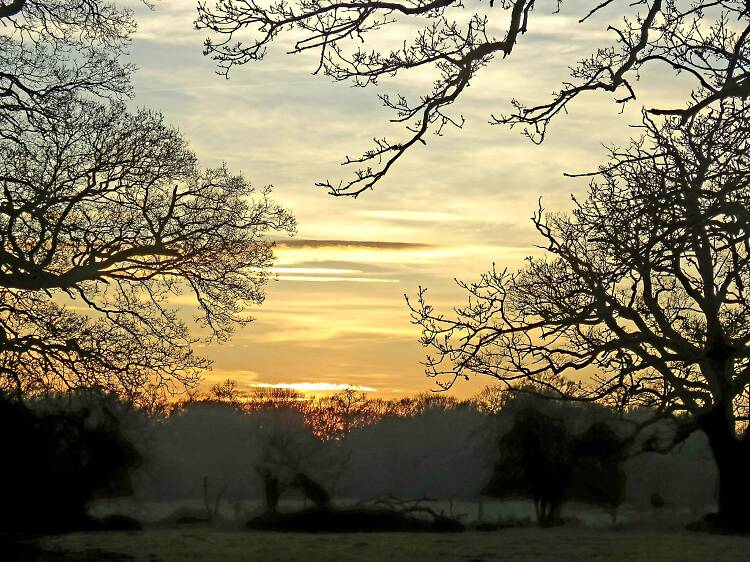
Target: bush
x: 54, y: 463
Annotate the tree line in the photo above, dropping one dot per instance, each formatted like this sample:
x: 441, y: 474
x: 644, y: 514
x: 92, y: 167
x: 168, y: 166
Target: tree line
x: 429, y: 447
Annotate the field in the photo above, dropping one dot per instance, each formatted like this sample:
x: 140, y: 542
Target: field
x: 519, y: 544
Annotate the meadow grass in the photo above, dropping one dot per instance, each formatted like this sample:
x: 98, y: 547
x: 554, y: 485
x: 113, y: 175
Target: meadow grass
x: 518, y: 544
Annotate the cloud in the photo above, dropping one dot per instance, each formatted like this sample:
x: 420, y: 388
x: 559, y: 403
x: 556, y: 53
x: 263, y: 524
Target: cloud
x: 303, y: 243
x: 318, y: 279
x: 314, y: 270
x: 240, y: 376
x: 328, y: 330
x: 448, y: 210
x: 315, y: 386
x: 170, y: 21
x: 412, y: 216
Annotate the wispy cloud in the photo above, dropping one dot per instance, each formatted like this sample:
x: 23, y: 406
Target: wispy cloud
x: 314, y: 270
x: 448, y: 211
x: 318, y: 279
x: 314, y: 386
x: 327, y: 329
x: 411, y: 216
x: 376, y: 245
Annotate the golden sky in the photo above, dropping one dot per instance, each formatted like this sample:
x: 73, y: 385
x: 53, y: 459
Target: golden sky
x: 336, y: 313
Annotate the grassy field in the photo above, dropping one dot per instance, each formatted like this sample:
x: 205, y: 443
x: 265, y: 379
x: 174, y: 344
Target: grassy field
x: 518, y: 544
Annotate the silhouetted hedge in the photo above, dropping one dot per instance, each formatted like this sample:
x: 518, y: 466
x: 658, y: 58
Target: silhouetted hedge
x: 54, y: 463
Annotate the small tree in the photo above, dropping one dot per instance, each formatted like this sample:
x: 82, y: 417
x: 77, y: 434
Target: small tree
x: 291, y: 455
x: 227, y: 391
x: 598, y: 474
x: 535, y: 461
x: 540, y: 459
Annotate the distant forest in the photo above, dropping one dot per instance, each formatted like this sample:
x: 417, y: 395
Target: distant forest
x: 221, y: 447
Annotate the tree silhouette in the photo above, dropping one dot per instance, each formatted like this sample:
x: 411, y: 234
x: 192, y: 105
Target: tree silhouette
x: 228, y: 392
x: 704, y: 40
x: 56, y: 462
x: 643, y: 295
x: 52, y: 50
x: 536, y: 461
x: 598, y: 474
x: 111, y: 210
x: 108, y: 211
x: 540, y: 459
x: 332, y: 417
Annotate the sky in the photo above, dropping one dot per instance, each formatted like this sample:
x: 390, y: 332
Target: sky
x: 336, y: 316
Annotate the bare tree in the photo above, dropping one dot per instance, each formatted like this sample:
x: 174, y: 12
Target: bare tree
x: 51, y: 50
x: 227, y: 392
x: 106, y: 217
x: 706, y: 40
x: 109, y: 211
x: 642, y: 298
x: 332, y: 417
x: 491, y: 399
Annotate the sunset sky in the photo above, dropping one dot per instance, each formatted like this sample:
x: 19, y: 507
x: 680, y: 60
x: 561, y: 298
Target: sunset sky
x: 336, y: 314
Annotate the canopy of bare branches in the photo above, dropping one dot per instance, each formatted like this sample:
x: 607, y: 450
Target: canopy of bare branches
x: 106, y: 217
x: 644, y: 292
x: 54, y: 49
x: 705, y: 40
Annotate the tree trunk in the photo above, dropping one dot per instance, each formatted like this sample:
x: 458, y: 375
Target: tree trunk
x: 732, y: 456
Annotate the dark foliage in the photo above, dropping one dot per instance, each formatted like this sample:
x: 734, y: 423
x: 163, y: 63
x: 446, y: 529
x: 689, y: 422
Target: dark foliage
x: 598, y: 474
x: 404, y: 452
x: 535, y: 461
x: 656, y: 501
x: 311, y: 489
x: 540, y: 459
x: 272, y: 488
x: 55, y: 463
